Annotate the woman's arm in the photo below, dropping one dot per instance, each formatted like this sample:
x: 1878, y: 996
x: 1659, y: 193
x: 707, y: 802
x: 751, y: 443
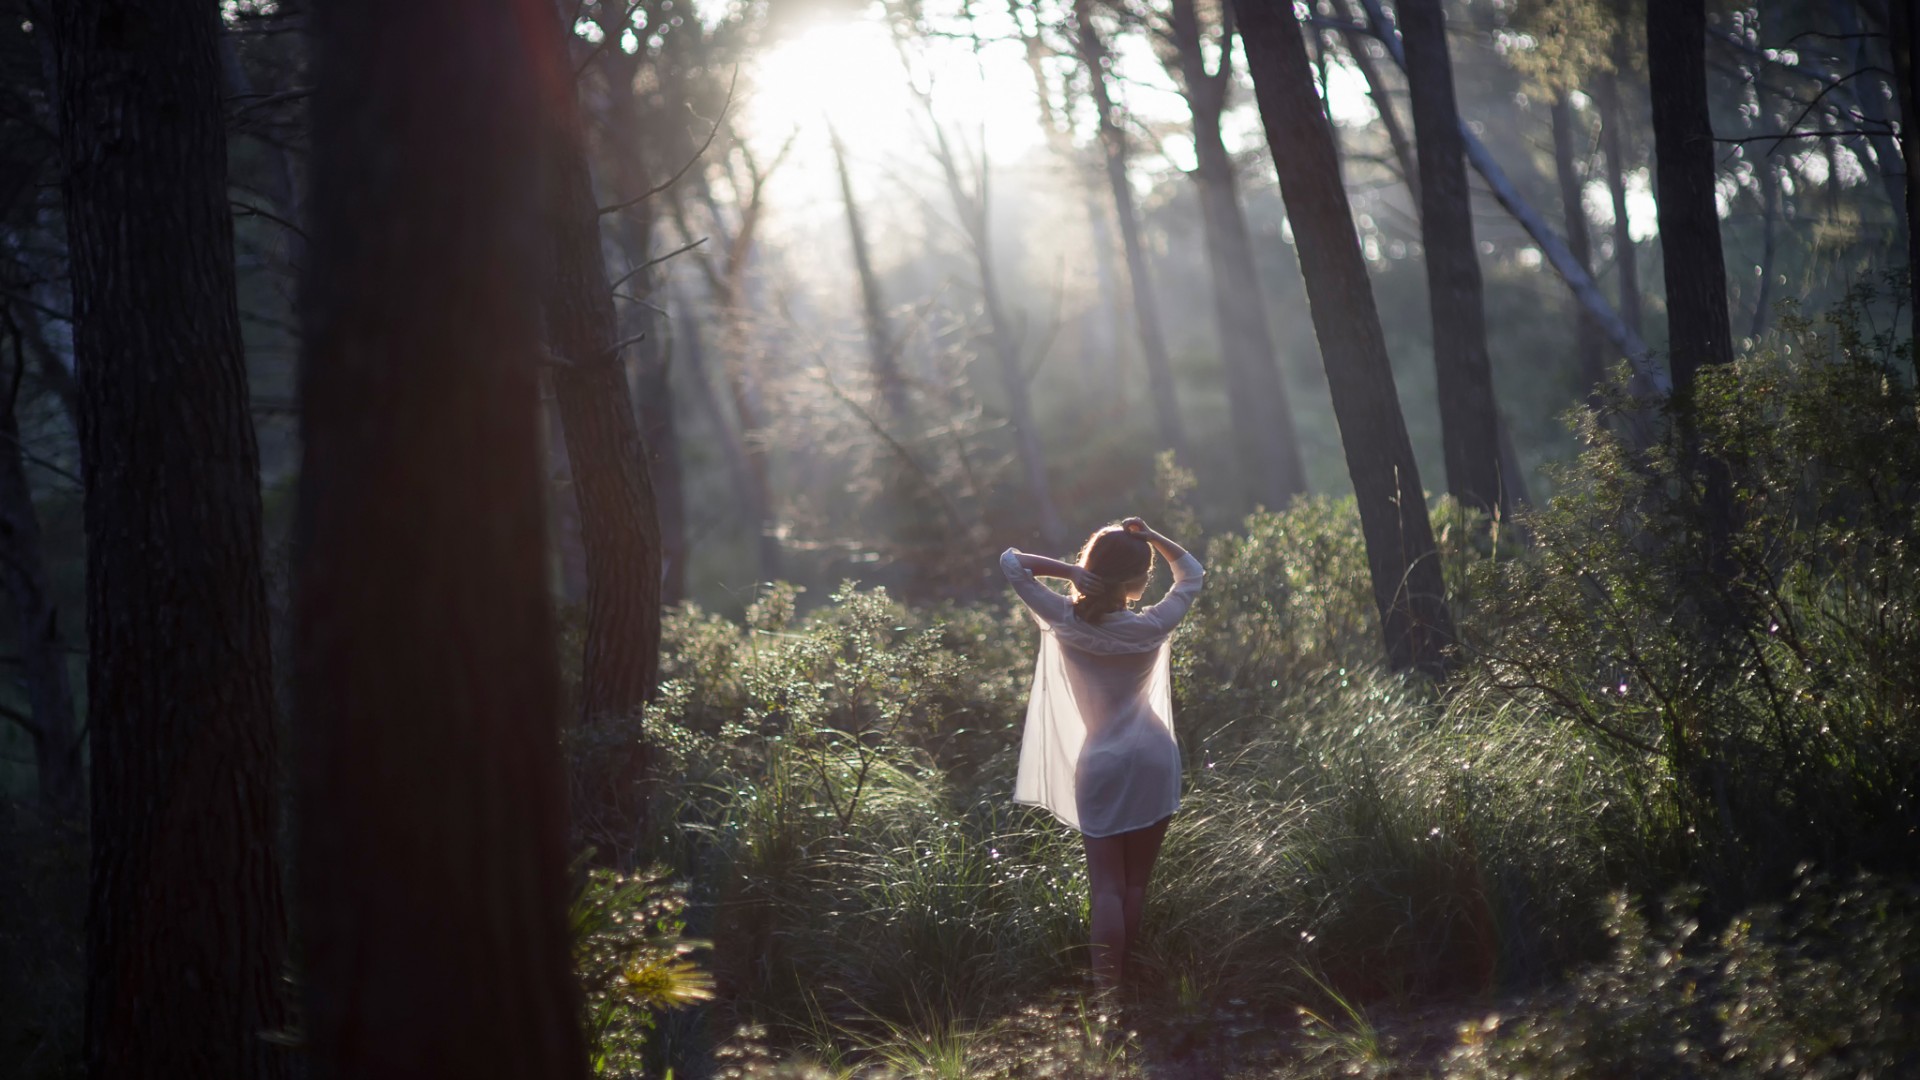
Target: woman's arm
x: 1169, y: 550
x: 1048, y: 607
x: 1041, y: 566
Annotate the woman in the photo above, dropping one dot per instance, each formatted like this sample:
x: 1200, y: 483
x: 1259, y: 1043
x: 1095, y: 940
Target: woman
x: 1099, y: 749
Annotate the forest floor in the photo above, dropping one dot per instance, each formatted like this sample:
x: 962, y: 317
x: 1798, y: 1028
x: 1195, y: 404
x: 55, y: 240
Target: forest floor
x: 1076, y: 1036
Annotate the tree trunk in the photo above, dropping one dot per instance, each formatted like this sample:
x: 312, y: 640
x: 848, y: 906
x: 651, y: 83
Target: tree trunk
x: 1383, y: 104
x: 1613, y: 144
x: 619, y: 524
x: 1696, y: 273
x: 973, y: 210
x: 1699, y: 331
x: 737, y: 369
x: 1393, y: 510
x: 36, y: 618
x: 1013, y: 379
x: 1256, y: 391
x: 1146, y: 309
x: 185, y: 928
x: 692, y: 349
x: 432, y: 867
x: 1469, y: 419
x: 882, y: 355
x: 651, y: 367
x: 1648, y: 379
x: 1590, y: 341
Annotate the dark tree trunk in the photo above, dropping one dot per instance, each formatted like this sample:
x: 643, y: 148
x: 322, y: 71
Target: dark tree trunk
x: 651, y: 366
x: 1469, y: 418
x: 1613, y: 144
x: 185, y: 928
x: 432, y: 865
x: 36, y: 619
x: 1698, y: 331
x: 1256, y: 391
x: 1146, y: 308
x: 1393, y: 510
x: 619, y: 524
x: 1904, y: 36
x: 1590, y: 340
x: 883, y: 356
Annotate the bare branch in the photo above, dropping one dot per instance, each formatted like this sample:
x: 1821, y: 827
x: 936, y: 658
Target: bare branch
x: 631, y: 274
x: 697, y: 155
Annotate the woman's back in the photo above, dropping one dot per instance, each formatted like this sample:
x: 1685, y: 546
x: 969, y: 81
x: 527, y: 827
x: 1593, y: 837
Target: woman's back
x: 1099, y: 749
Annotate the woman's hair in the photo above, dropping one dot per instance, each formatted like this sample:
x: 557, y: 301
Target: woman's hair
x: 1121, y: 560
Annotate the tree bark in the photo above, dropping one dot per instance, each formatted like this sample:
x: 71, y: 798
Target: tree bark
x: 1146, y: 308
x: 185, y: 928
x: 1469, y: 418
x: 619, y: 523
x: 1699, y: 330
x: 36, y: 618
x: 432, y: 866
x: 1393, y: 510
x: 1696, y: 273
x: 1256, y: 391
x: 1590, y: 341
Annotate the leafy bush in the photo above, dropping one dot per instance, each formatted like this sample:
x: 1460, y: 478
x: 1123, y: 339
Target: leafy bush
x: 1818, y: 986
x: 1765, y: 672
x: 631, y: 957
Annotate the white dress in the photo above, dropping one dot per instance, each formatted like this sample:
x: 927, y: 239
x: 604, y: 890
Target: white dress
x: 1099, y: 749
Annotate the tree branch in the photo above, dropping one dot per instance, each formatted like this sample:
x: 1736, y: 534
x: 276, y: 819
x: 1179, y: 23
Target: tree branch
x: 697, y: 155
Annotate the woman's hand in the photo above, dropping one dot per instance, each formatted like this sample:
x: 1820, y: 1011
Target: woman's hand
x: 1168, y: 550
x: 1084, y: 579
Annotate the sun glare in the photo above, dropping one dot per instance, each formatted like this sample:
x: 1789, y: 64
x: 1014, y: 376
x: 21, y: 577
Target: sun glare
x: 848, y: 73
x: 842, y: 72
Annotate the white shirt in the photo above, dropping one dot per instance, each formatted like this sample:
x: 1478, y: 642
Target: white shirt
x: 1099, y: 748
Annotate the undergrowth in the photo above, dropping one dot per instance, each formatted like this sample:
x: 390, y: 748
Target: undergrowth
x: 1649, y: 701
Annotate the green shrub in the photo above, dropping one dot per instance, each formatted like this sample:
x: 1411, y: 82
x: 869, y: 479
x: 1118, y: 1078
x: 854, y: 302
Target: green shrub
x: 1818, y: 986
x: 1765, y: 675
x: 631, y: 957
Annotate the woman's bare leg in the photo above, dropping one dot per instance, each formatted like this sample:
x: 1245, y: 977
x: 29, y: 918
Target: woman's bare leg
x: 1106, y: 891
x: 1142, y: 848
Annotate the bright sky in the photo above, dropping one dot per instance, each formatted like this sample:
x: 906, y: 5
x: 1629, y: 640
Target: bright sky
x: 848, y: 67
